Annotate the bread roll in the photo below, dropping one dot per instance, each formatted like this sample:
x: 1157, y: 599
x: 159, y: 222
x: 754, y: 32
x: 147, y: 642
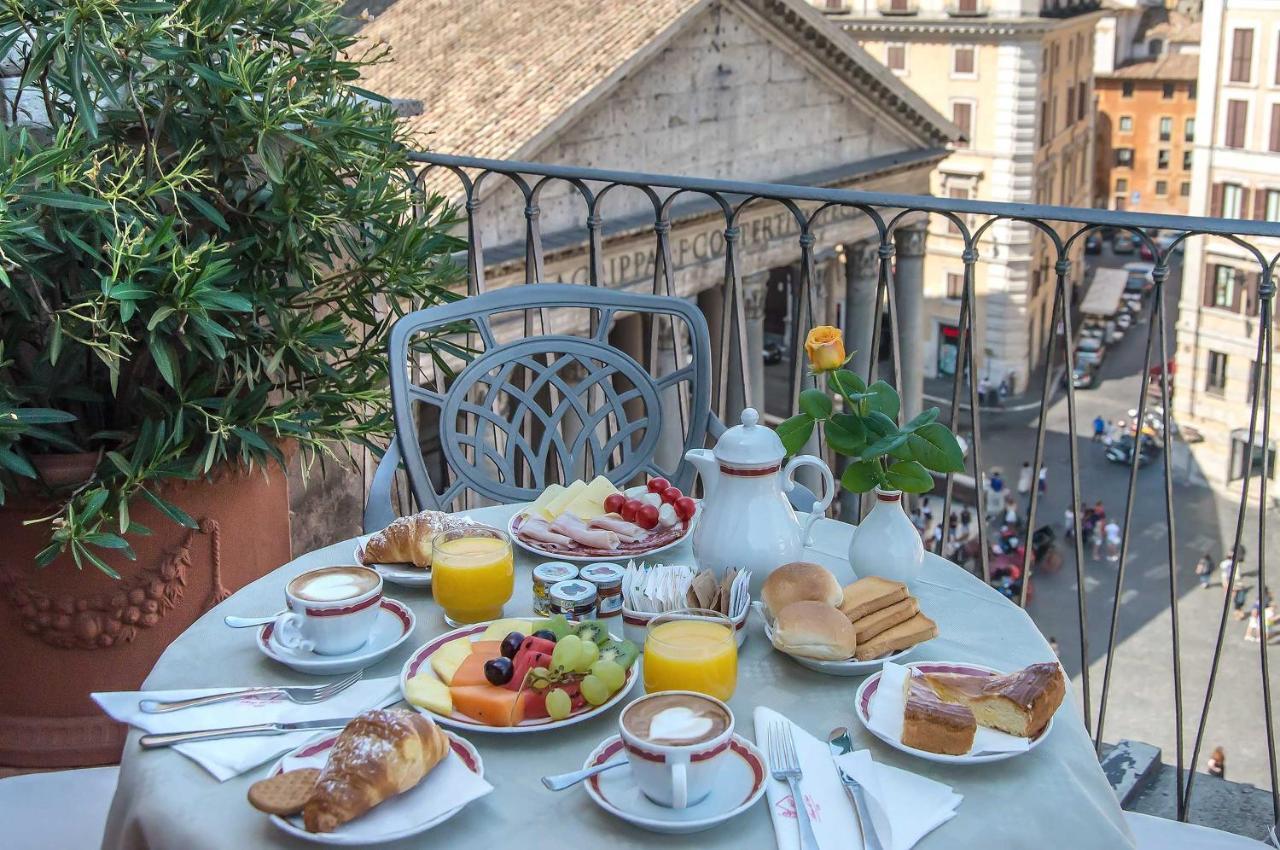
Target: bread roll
x: 800, y: 582
x: 814, y: 630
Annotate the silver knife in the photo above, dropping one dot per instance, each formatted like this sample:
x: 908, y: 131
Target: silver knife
x: 840, y: 743
x: 168, y: 739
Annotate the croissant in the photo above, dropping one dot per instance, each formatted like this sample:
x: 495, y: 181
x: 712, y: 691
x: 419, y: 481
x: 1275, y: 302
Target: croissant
x: 378, y: 755
x: 408, y: 539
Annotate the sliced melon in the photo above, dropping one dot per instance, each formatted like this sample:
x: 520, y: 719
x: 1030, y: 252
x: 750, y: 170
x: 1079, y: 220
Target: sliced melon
x: 538, y: 508
x: 490, y: 705
x: 446, y: 659
x: 486, y: 649
x: 557, y: 505
x: 470, y: 671
x: 499, y: 629
x: 430, y: 693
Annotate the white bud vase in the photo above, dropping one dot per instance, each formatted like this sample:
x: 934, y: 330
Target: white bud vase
x: 886, y: 543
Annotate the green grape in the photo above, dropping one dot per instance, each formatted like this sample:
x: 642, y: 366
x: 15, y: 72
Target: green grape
x: 594, y: 690
x: 566, y: 653
x: 558, y: 704
x: 609, y: 672
x: 586, y: 657
x: 540, y: 677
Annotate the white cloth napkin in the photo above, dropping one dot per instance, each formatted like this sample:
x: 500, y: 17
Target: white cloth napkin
x: 448, y: 786
x: 232, y: 756
x: 887, y: 706
x: 903, y: 806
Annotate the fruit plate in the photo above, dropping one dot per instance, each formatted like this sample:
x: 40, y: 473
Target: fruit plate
x: 420, y: 662
x: 862, y: 707
x: 848, y: 668
x: 401, y: 574
x: 599, y: 554
x: 394, y: 818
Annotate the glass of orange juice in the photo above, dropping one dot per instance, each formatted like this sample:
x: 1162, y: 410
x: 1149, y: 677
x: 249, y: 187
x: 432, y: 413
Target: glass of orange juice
x: 691, y: 649
x: 472, y: 573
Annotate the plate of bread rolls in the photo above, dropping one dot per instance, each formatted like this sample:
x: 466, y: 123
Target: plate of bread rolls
x: 840, y: 631
x: 387, y: 775
x: 401, y: 552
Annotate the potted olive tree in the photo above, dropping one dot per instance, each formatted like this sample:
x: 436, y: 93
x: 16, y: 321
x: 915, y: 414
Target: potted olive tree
x: 206, y: 229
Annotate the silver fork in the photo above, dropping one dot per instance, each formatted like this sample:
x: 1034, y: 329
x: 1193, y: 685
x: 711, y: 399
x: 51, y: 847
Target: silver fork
x: 784, y: 766
x: 301, y: 695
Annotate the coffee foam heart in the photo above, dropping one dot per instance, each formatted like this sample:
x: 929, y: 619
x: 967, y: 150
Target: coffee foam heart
x: 679, y: 723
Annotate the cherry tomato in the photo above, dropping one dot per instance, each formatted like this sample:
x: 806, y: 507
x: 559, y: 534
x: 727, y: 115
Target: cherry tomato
x: 685, y: 508
x: 614, y: 502
x: 630, y: 508
x: 647, y: 517
x: 657, y: 485
x: 671, y: 494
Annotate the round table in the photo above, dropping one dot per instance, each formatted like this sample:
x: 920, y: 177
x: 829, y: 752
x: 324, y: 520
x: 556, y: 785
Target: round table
x: 1032, y: 801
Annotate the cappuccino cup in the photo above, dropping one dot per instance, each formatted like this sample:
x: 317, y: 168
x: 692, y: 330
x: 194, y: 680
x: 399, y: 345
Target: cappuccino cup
x: 331, y: 610
x: 676, y: 742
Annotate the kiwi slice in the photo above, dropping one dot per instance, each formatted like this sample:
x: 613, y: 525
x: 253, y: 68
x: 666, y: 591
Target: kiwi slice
x: 623, y: 653
x: 593, y: 630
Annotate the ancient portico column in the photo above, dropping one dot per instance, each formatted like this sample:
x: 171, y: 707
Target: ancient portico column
x: 861, y: 265
x: 754, y: 289
x: 908, y: 287
x: 670, y: 448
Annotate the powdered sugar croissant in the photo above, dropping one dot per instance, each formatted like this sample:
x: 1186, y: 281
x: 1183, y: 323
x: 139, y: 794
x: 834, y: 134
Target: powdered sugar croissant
x: 378, y: 755
x: 408, y: 539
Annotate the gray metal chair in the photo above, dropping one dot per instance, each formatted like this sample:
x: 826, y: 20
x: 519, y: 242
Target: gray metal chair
x: 592, y: 406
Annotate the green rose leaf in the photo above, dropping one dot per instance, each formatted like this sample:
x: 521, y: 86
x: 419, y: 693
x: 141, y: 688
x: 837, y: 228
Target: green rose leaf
x: 846, y: 434
x: 794, y: 432
x: 923, y: 419
x: 847, y: 383
x: 883, y: 446
x: 910, y: 477
x: 815, y: 403
x: 885, y: 399
x: 860, y: 477
x: 879, y: 424
x: 935, y: 446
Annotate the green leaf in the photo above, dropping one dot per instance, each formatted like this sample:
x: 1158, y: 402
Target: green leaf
x: 166, y: 362
x: 42, y: 415
x: 879, y: 425
x: 846, y: 382
x: 860, y: 477
x: 93, y: 503
x: 935, y: 446
x: 127, y: 290
x: 903, y: 452
x: 79, y: 549
x: 925, y: 418
x: 106, y: 540
x: 16, y: 463
x: 205, y: 209
x: 374, y: 96
x: 884, y: 398
x: 46, y: 555
x: 795, y: 432
x: 252, y: 439
x: 846, y: 434
x: 815, y: 403
x: 169, y: 509
x: 884, y: 445
x: 910, y: 477
x: 65, y: 200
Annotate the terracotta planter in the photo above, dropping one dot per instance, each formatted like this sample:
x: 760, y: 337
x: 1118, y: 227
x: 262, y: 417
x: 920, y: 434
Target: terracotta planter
x: 65, y: 633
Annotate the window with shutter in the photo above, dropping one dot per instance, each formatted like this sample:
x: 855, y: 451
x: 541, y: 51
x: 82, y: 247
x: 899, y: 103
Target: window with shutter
x: 1237, y: 120
x: 1215, y: 200
x: 1252, y: 280
x: 1216, y: 375
x: 960, y: 195
x: 1241, y: 55
x: 1082, y: 93
x: 962, y: 117
x: 962, y: 61
x: 896, y: 57
x: 1275, y: 127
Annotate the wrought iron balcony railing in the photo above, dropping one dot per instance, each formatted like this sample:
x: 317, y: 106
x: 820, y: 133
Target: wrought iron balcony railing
x: 802, y: 212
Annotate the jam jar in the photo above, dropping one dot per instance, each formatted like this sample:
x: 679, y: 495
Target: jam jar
x: 575, y: 598
x: 608, y: 581
x: 545, y: 575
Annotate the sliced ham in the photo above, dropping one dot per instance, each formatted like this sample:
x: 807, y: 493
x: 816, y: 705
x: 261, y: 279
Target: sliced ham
x: 629, y: 532
x: 537, y: 529
x: 593, y: 538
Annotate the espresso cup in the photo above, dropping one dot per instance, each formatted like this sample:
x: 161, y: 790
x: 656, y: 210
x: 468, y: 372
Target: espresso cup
x: 675, y: 756
x: 332, y: 610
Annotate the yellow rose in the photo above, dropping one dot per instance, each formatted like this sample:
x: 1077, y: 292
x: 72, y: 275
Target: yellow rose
x: 825, y: 348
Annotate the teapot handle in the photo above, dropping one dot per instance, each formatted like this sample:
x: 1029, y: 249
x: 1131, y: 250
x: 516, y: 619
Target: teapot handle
x: 828, y: 489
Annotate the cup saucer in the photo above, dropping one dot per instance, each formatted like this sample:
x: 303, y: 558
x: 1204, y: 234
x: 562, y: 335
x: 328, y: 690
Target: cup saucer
x: 393, y: 626
x: 739, y: 785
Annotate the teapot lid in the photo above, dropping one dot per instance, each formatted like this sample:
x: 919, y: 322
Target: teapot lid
x: 750, y: 443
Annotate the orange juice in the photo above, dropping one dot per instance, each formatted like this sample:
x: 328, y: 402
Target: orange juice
x: 472, y: 574
x: 691, y: 655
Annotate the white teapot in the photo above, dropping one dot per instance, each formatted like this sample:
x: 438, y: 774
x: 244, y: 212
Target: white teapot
x: 747, y: 521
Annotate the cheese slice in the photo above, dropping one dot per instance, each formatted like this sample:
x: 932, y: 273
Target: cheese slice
x: 557, y: 505
x: 539, y: 507
x: 590, y: 504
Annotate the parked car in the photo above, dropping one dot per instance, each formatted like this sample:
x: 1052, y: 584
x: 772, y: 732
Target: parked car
x: 1124, y: 320
x: 1144, y: 251
x: 1122, y: 243
x: 1084, y: 376
x: 1093, y: 243
x: 1140, y: 279
x: 1121, y: 451
x: 772, y: 352
x: 1166, y: 238
x: 1090, y: 349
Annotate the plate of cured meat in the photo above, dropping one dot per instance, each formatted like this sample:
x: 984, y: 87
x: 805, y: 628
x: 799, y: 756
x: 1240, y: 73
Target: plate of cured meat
x: 595, y: 521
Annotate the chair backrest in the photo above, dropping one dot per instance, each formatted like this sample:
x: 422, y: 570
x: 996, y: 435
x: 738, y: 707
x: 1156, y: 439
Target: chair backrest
x: 539, y: 408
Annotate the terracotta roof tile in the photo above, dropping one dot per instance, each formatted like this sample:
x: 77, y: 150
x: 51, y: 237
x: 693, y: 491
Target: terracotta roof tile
x: 1171, y: 66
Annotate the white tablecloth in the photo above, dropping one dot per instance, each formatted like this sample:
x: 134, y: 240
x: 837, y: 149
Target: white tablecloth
x: 1055, y: 796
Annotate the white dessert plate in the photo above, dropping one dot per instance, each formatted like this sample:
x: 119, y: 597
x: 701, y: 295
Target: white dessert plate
x: 370, y: 828
x: 848, y: 667
x: 862, y: 707
x: 393, y: 626
x: 401, y: 574
x: 420, y: 662
x: 739, y: 785
x: 600, y: 555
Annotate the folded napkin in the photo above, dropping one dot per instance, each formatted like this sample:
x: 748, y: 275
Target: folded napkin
x: 903, y: 806
x: 448, y: 786
x: 888, y: 704
x: 232, y: 756
x: 835, y: 824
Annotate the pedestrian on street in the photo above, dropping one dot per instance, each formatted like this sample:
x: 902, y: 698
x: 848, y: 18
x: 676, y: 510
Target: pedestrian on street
x: 1099, y: 428
x: 1238, y: 600
x: 997, y: 481
x: 1204, y: 568
x: 1042, y: 479
x: 1217, y: 765
x: 1024, y: 478
x: 1068, y: 523
x: 1224, y: 568
x: 1113, y: 541
x: 984, y: 388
